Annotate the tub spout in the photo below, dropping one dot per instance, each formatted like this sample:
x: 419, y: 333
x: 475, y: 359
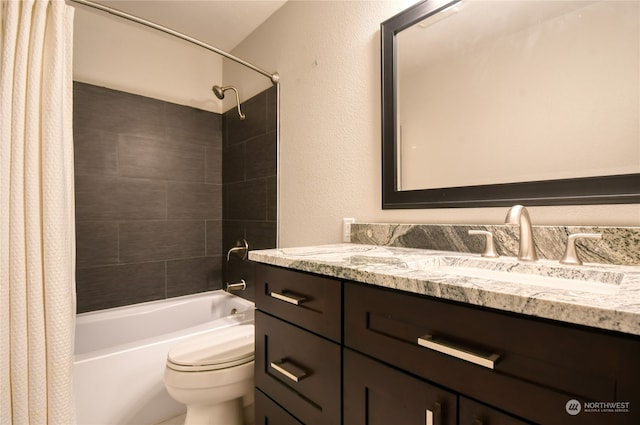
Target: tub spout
x: 238, y: 286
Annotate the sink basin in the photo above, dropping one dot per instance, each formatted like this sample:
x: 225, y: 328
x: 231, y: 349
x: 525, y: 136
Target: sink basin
x: 543, y: 274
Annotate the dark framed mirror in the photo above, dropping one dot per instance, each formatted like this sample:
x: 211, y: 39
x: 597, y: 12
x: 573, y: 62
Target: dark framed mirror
x: 476, y: 159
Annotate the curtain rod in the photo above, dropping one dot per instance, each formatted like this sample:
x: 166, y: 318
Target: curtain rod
x: 274, y: 77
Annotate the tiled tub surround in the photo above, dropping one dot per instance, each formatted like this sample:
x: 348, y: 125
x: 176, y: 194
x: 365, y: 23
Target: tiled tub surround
x: 415, y: 270
x: 619, y: 245
x: 249, y: 161
x: 148, y: 198
x: 249, y: 172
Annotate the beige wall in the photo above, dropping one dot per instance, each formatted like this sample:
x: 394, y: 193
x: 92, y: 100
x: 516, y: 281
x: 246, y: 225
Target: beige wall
x: 121, y: 55
x: 328, y: 57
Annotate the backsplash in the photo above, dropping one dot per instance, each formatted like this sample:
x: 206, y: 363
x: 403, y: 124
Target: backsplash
x: 619, y: 245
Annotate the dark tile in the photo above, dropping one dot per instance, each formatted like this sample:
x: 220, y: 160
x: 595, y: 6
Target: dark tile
x: 95, y: 107
x: 214, y: 237
x: 233, y: 165
x: 238, y: 270
x: 272, y: 109
x: 193, y: 125
x: 116, y: 198
x: 254, y: 125
x: 161, y: 142
x: 193, y: 275
x: 96, y: 243
x: 246, y: 200
x: 160, y: 159
x: 232, y: 231
x: 95, y: 151
x: 260, y: 156
x: 113, y: 286
x: 112, y: 198
x: 262, y: 234
x: 140, y: 115
x: 194, y: 200
x: 161, y: 240
x: 214, y: 165
x: 272, y: 199
x: 119, y: 112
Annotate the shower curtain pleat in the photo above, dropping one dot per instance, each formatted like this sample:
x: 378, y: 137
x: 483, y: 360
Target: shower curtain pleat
x: 37, y: 227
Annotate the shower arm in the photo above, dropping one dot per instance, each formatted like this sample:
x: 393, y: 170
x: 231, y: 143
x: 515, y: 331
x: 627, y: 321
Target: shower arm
x: 242, y: 116
x: 219, y: 92
x: 274, y: 77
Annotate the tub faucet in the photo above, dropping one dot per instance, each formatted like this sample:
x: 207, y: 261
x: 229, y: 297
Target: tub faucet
x: 519, y: 216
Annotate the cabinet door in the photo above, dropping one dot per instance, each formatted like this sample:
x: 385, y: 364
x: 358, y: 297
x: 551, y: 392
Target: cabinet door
x: 376, y: 394
x: 270, y: 413
x: 474, y: 413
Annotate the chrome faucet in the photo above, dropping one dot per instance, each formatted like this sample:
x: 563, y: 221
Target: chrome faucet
x: 519, y: 216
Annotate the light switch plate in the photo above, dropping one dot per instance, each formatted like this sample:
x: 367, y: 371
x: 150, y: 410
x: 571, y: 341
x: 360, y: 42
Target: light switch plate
x: 346, y: 228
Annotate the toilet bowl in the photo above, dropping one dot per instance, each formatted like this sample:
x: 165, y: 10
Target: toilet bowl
x: 212, y: 374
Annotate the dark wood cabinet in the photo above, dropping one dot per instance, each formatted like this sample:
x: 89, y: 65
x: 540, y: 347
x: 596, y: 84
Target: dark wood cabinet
x: 332, y: 352
x: 298, y: 346
x: 530, y: 368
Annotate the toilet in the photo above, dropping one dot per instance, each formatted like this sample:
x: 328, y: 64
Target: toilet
x: 212, y: 374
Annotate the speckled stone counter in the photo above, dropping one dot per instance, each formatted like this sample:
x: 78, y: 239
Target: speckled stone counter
x: 613, y: 303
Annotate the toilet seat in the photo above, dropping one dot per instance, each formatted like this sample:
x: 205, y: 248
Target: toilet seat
x: 214, y: 350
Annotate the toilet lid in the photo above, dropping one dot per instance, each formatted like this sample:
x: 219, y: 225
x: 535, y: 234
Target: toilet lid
x: 217, y: 349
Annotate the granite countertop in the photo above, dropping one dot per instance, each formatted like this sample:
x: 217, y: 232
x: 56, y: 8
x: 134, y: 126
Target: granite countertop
x: 613, y: 303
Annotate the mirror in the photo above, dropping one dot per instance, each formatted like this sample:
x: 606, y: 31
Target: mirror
x: 491, y: 103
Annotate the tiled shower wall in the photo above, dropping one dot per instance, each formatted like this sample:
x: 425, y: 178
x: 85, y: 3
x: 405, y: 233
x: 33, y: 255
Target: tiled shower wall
x: 250, y: 182
x: 148, y: 198
x: 149, y: 195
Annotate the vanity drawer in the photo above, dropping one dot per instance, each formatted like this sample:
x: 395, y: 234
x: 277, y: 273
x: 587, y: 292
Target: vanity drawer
x: 310, y: 301
x: 299, y: 370
x: 540, y: 365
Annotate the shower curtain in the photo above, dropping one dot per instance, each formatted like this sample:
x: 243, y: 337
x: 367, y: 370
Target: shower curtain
x: 37, y: 227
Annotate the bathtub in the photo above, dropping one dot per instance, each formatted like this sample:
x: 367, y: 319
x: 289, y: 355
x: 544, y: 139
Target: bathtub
x: 120, y: 354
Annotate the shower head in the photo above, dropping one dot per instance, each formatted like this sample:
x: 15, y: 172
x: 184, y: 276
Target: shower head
x: 219, y: 92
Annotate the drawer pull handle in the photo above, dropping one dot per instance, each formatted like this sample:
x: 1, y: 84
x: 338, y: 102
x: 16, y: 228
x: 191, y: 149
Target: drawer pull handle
x: 483, y: 359
x: 290, y: 370
x: 430, y: 414
x: 290, y: 298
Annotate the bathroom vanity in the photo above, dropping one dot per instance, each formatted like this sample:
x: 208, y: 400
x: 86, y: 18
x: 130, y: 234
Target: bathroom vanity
x: 361, y: 334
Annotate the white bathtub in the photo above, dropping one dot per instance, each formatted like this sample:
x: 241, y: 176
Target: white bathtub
x: 120, y: 354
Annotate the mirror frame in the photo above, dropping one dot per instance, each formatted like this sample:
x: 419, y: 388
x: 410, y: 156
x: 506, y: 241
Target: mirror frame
x: 615, y: 189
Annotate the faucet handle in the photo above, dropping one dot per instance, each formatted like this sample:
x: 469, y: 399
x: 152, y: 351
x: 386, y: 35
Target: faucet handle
x: 570, y: 254
x: 489, y: 248
x: 241, y: 249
